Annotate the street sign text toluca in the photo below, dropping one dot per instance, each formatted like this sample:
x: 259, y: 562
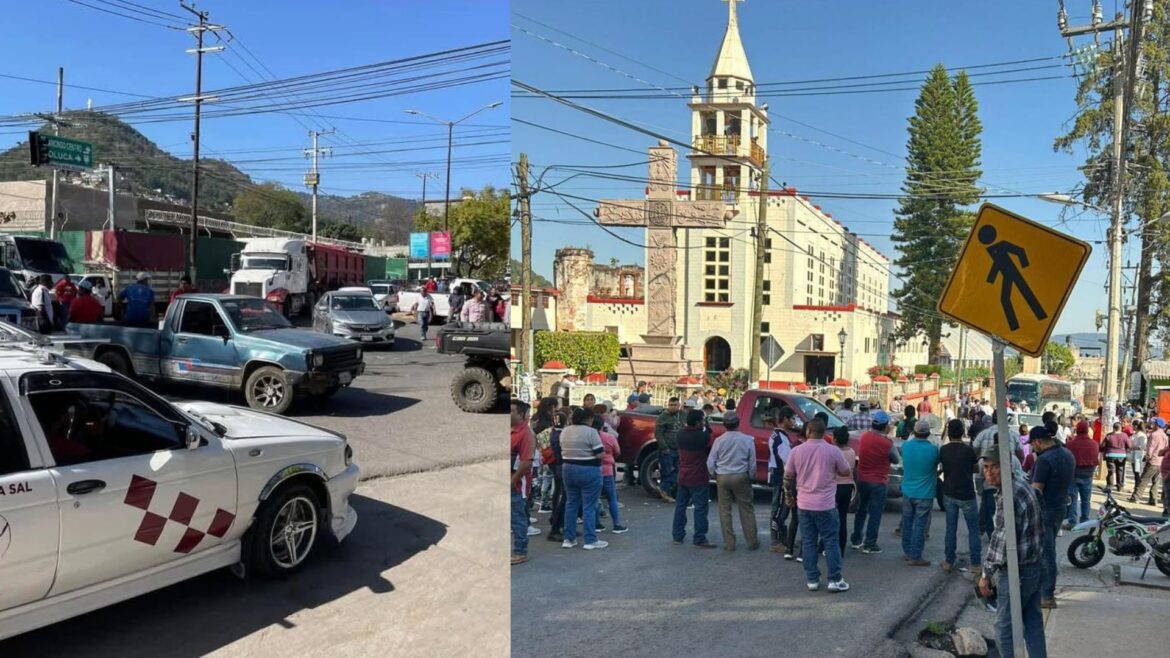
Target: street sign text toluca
x: 59, y: 152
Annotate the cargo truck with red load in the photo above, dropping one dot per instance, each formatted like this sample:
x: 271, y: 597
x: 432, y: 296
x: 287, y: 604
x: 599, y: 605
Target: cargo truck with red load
x: 120, y: 255
x: 292, y: 273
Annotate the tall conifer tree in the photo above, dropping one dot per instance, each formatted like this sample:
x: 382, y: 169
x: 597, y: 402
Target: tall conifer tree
x: 933, y: 219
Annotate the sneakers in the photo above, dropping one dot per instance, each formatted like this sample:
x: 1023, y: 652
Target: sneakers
x: 1067, y: 525
x: 677, y: 542
x: 532, y: 519
x: 947, y: 566
x: 519, y: 559
x: 595, y: 545
x: 666, y: 498
x: 544, y: 509
x: 568, y: 543
x: 555, y: 536
x: 788, y: 556
x: 600, y: 528
x: 871, y: 550
x: 918, y: 563
x: 856, y: 547
x: 800, y: 559
x: 838, y: 586
x: 620, y: 529
x: 533, y: 531
x: 812, y: 587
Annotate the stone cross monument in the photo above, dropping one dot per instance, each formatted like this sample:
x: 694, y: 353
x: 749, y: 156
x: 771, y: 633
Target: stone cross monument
x: 661, y: 213
x: 661, y: 358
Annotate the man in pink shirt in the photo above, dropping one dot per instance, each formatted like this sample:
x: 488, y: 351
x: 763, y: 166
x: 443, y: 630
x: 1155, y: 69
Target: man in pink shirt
x: 810, y: 484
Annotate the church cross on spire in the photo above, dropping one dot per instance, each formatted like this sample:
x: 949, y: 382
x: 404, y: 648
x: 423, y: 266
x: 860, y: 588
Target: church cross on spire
x: 731, y: 20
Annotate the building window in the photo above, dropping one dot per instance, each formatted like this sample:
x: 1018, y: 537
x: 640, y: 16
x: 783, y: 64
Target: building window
x: 723, y: 83
x: 818, y: 342
x: 765, y: 328
x: 767, y: 250
x: 717, y: 270
x: 767, y: 292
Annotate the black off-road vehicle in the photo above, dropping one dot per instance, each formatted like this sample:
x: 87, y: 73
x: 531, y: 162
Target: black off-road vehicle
x: 485, y: 379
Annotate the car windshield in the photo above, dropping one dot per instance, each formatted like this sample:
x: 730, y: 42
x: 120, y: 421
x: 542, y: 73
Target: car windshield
x: 265, y: 263
x: 44, y: 255
x: 380, y: 289
x: 254, y: 315
x: 810, y: 407
x: 1024, y: 392
x: 353, y: 303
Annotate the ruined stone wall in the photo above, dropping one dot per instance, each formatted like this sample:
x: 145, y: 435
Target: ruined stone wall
x: 573, y: 276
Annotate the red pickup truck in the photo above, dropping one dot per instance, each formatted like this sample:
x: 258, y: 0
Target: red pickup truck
x: 640, y: 449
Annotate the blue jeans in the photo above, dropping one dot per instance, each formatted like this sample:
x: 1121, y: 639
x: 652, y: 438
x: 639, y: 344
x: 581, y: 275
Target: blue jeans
x: 871, y: 502
x: 667, y: 471
x: 970, y: 512
x: 1030, y: 577
x: 1051, y: 520
x: 987, y: 511
x: 700, y: 496
x: 1081, y: 487
x: 582, y: 488
x: 424, y: 321
x: 607, y: 485
x: 822, y: 527
x: 914, y: 514
x: 519, y: 524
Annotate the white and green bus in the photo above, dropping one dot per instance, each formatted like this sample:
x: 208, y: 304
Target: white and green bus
x: 1041, y: 393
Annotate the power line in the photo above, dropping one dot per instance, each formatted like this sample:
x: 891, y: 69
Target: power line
x: 115, y: 13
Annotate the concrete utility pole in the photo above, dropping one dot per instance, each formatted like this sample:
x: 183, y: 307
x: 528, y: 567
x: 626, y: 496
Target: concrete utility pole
x: 313, y: 178
x: 1109, y: 377
x: 110, y: 212
x: 758, y: 301
x: 526, y: 334
x: 197, y: 99
x: 962, y: 355
x: 56, y: 131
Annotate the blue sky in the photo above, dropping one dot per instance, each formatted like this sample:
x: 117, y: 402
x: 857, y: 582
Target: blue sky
x: 669, y: 41
x: 291, y: 38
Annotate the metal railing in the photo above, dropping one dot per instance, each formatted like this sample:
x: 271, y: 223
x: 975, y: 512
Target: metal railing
x: 171, y: 218
x: 718, y: 144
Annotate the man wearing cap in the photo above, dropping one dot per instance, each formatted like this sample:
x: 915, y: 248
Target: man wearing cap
x: 1029, y: 551
x: 919, y: 476
x: 733, y: 463
x: 1051, y: 476
x: 1084, y: 452
x: 86, y: 308
x: 632, y: 402
x: 860, y: 421
x: 875, y: 453
x: 1156, y: 444
x: 644, y: 403
x: 138, y: 300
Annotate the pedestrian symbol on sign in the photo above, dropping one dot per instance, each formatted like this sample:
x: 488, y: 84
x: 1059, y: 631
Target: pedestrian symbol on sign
x: 1003, y: 266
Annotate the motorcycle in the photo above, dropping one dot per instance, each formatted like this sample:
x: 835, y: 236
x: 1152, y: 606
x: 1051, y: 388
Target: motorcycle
x: 1127, y: 534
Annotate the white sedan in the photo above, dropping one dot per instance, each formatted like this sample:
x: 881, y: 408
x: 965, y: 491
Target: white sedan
x: 108, y: 491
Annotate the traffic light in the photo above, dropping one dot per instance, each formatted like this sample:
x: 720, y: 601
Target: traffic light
x: 38, y: 149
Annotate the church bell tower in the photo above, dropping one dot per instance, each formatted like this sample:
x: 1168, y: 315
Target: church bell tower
x: 729, y: 131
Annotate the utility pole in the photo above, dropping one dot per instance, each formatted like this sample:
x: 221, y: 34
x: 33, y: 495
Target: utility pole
x: 758, y: 301
x: 313, y: 178
x: 526, y: 334
x: 1109, y: 377
x: 56, y: 131
x: 962, y: 355
x: 110, y: 213
x: 197, y: 99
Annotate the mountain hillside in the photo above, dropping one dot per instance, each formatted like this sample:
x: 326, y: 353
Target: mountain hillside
x: 145, y: 169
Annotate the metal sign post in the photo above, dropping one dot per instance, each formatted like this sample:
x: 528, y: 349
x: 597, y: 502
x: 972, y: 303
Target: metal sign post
x: 1006, y: 491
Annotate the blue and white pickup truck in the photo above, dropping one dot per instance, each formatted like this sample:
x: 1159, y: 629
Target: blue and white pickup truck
x: 230, y: 342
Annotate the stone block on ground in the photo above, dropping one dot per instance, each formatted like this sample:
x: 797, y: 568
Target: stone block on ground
x: 969, y: 642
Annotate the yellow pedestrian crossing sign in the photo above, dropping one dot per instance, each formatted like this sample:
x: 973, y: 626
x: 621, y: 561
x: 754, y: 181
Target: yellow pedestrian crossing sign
x: 1013, y: 278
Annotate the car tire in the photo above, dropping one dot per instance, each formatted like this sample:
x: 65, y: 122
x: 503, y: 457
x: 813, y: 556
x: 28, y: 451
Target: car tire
x: 1086, y: 551
x: 647, y: 474
x: 268, y: 389
x: 474, y: 390
x: 117, y: 362
x: 284, y: 520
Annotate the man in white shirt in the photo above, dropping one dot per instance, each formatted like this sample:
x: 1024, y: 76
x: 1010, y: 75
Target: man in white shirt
x: 424, y: 308
x: 42, y: 303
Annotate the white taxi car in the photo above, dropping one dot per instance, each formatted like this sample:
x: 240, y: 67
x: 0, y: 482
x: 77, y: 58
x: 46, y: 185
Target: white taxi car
x: 108, y: 491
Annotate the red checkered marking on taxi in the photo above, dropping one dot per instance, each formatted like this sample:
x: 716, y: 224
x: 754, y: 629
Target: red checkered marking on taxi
x: 141, y: 493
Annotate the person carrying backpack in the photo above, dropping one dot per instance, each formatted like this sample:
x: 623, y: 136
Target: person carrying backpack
x: 905, y: 426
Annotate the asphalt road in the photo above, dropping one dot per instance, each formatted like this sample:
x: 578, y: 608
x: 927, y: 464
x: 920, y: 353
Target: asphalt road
x: 399, y: 416
x: 388, y: 590
x: 644, y: 595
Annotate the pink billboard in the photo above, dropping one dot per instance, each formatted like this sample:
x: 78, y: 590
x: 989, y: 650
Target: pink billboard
x: 440, y: 245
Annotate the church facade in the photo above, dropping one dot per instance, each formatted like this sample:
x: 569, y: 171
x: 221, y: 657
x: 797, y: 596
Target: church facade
x: 825, y: 289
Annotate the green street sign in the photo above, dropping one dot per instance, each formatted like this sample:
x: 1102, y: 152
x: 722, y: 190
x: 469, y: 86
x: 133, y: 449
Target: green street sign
x: 59, y: 152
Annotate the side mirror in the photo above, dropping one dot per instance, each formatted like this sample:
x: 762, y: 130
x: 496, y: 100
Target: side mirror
x: 235, y: 262
x: 194, y: 439
x: 221, y: 331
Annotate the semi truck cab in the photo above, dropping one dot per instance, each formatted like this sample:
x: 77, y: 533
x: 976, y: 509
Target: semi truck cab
x: 274, y: 269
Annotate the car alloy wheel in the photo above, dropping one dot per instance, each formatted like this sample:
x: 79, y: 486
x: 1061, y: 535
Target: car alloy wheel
x: 293, y: 532
x: 269, y: 391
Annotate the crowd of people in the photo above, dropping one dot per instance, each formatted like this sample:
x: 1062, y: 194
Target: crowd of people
x: 465, y: 303
x: 70, y: 302
x: 815, y: 466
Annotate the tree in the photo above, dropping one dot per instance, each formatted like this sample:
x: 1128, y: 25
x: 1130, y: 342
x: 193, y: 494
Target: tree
x: 479, y: 233
x: 1059, y: 359
x: 1147, y: 149
x: 538, y: 281
x: 339, y: 231
x: 943, y: 160
x: 273, y: 206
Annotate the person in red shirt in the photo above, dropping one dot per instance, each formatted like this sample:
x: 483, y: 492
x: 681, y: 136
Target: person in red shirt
x: 875, y: 453
x: 430, y: 286
x: 1115, y: 448
x: 1086, y: 453
x: 523, y: 451
x: 66, y: 292
x: 86, y: 309
x: 184, y: 288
